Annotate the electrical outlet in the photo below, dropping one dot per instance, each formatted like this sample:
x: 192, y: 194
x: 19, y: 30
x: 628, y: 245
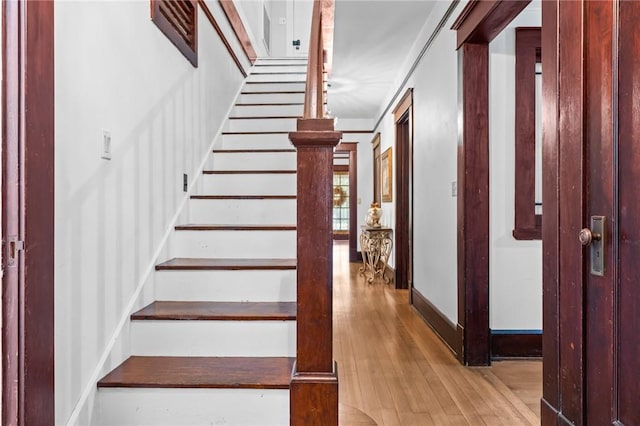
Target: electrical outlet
x: 106, y: 145
x: 282, y: 21
x: 185, y: 182
x: 454, y: 189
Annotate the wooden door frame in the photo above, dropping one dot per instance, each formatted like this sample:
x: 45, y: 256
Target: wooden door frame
x: 478, y: 24
x: 403, y: 112
x: 28, y: 212
x: 352, y: 149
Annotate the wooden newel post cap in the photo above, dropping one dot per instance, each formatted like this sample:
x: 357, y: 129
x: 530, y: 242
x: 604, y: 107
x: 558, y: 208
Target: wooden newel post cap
x: 315, y: 132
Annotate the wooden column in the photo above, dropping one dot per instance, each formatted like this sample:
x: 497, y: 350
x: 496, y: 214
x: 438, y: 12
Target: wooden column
x: 314, y: 382
x: 473, y: 204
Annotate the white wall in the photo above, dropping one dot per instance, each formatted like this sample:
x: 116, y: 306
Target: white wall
x: 115, y: 70
x: 435, y: 135
x: 279, y: 39
x: 515, y: 266
x: 251, y: 13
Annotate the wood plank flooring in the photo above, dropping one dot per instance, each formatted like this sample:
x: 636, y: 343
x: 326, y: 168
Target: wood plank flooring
x: 394, y: 369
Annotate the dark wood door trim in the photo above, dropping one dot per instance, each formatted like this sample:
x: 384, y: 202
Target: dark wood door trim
x: 403, y: 118
x: 550, y: 220
x: 352, y: 149
x: 28, y: 213
x: 478, y: 24
x: 473, y: 206
x: 482, y: 20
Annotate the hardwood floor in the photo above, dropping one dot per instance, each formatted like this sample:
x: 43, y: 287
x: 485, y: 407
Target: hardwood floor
x: 393, y: 368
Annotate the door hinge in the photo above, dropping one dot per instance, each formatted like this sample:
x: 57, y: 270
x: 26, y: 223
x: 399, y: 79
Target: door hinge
x: 12, y: 246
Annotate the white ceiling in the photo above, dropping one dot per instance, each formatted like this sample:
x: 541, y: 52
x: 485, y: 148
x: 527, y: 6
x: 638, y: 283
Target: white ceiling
x: 371, y: 41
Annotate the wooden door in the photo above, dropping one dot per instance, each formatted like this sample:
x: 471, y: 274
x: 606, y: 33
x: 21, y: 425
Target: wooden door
x: 592, y: 355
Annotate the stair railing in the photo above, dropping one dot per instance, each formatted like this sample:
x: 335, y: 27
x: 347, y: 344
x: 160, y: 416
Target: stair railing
x: 314, y: 381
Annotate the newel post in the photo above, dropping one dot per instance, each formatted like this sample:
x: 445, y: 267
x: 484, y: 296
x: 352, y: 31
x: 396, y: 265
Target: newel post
x: 314, y: 382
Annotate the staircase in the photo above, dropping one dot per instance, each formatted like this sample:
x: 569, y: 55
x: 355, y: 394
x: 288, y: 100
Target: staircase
x: 218, y: 344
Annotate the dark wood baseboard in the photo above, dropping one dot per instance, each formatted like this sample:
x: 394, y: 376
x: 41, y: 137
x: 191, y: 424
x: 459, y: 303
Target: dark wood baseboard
x: 340, y: 237
x: 516, y: 345
x: 435, y: 319
x: 359, y: 256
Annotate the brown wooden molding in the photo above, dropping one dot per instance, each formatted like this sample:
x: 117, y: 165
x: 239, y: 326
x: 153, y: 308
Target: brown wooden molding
x: 28, y: 206
x: 243, y: 197
x: 550, y: 223
x: 482, y: 20
x: 443, y: 327
x: 249, y: 172
x: 239, y: 30
x: 516, y: 345
x: 207, y: 12
x: 235, y: 228
x: 473, y: 205
x: 527, y: 225
x: 403, y: 105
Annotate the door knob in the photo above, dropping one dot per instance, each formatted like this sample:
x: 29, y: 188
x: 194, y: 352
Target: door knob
x: 586, y: 236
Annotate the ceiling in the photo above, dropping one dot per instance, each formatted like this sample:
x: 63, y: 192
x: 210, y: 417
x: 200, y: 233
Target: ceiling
x: 371, y: 42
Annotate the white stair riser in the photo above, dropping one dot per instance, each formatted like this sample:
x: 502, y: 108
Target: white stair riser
x: 253, y: 161
x: 213, y: 338
x: 227, y: 286
x: 191, y: 407
x: 262, y: 125
x: 272, y: 76
x: 256, y: 141
x: 268, y: 111
x: 249, y: 184
x: 270, y: 98
x: 301, y: 67
x: 274, y: 87
x: 243, y: 212
x: 233, y: 244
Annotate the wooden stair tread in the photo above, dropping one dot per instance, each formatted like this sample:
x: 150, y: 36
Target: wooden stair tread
x: 269, y: 104
x: 204, y: 227
x: 295, y: 92
x: 248, y: 172
x: 217, y: 311
x: 267, y: 117
x: 277, y: 132
x: 276, y: 82
x: 244, y: 197
x: 249, y: 151
x: 201, y: 372
x: 188, y: 263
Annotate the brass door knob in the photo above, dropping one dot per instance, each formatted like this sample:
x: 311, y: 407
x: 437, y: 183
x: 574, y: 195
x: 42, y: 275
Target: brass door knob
x: 586, y: 236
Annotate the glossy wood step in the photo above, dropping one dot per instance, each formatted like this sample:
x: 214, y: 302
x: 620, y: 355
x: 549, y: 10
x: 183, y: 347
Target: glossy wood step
x: 279, y: 132
x: 243, y: 197
x: 249, y: 172
x: 275, y: 117
x: 217, y: 311
x: 269, y: 104
x: 252, y: 151
x: 201, y: 372
x: 198, y: 227
x: 199, y: 264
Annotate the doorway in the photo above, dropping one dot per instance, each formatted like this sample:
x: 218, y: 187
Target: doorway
x: 345, y: 189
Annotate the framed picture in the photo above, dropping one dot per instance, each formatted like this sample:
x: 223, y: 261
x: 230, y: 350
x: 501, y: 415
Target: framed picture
x: 386, y: 176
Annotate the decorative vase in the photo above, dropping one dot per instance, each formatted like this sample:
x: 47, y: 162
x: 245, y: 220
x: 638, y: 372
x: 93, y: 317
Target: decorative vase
x: 373, y: 216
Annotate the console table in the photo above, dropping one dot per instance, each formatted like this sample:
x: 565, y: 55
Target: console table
x: 376, y: 245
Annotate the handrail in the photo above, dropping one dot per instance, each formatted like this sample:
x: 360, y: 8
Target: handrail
x: 320, y: 52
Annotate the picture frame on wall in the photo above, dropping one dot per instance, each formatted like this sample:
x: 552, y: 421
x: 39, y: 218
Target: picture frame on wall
x: 386, y: 176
